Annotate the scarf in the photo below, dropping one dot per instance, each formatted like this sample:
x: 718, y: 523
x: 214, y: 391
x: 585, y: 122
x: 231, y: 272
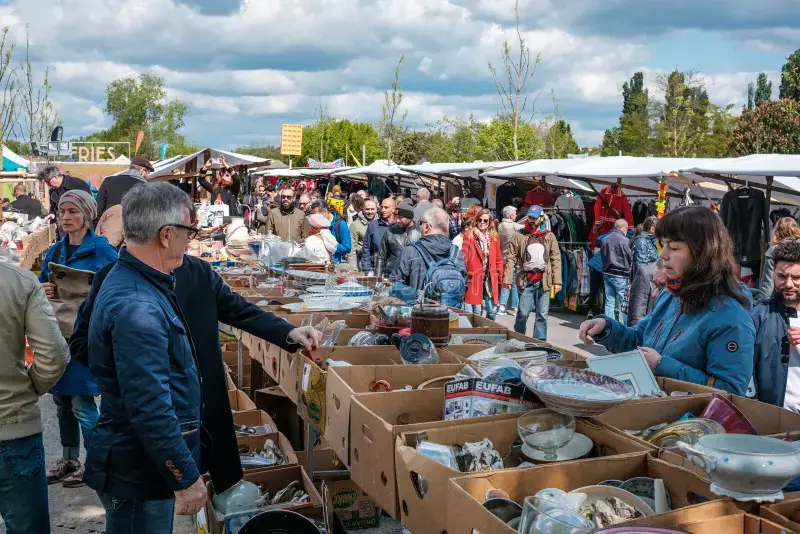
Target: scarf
x: 483, y: 242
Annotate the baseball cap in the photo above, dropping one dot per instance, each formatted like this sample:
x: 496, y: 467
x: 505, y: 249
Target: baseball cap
x: 535, y: 212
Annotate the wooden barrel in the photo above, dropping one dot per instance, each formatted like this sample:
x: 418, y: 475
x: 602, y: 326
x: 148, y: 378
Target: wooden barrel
x: 432, y: 321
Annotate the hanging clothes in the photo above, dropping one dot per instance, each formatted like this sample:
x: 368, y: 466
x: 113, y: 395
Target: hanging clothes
x: 570, y: 202
x: 537, y: 197
x: 611, y: 204
x: 744, y: 213
x: 506, y: 194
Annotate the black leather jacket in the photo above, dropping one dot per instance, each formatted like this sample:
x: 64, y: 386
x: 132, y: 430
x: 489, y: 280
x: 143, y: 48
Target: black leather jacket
x: 394, y: 240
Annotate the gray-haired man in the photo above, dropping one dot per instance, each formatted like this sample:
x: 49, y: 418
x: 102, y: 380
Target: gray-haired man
x: 145, y: 450
x: 59, y: 184
x: 507, y: 228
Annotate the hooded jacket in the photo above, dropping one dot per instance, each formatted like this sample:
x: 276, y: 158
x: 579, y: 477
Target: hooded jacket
x: 411, y: 266
x: 27, y: 313
x: 341, y: 232
x: 114, y: 188
x: 395, y: 239
x: 372, y: 242
x: 319, y: 247
x: 712, y: 346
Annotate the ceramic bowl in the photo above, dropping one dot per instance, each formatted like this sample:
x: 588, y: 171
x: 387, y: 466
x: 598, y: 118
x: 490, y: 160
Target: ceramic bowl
x: 597, y: 493
x: 644, y: 488
x: 725, y: 413
x: 746, y: 467
x: 577, y: 392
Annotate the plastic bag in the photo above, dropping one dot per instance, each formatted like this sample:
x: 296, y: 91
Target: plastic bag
x: 503, y: 371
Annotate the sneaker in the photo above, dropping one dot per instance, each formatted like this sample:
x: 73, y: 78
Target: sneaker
x: 62, y: 470
x: 75, y: 480
x: 511, y: 311
x: 501, y: 310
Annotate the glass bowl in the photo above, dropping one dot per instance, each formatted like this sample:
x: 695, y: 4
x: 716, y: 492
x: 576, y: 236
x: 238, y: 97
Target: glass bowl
x: 546, y: 431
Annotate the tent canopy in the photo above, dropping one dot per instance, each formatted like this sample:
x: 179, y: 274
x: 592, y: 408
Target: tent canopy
x: 457, y: 168
x: 377, y: 168
x: 13, y: 161
x: 755, y: 165
x: 232, y: 158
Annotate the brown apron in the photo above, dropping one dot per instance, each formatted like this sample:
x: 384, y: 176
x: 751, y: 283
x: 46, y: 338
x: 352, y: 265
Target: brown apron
x: 72, y: 288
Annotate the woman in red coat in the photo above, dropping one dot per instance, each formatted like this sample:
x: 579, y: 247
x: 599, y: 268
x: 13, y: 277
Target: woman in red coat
x: 481, y: 250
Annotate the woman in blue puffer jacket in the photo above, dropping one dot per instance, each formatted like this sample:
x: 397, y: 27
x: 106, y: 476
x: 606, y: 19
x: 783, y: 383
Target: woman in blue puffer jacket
x: 700, y: 329
x: 74, y: 393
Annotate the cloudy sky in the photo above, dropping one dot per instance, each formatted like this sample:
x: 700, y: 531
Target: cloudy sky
x: 247, y: 66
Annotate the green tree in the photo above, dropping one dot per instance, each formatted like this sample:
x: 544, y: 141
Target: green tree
x: 392, y: 123
x: 790, y: 77
x: 495, y: 141
x: 751, y: 96
x: 683, y: 123
x: 633, y: 136
x: 763, y: 91
x: 559, y: 141
x: 141, y: 104
x: 771, y: 128
x: 329, y: 139
x: 722, y: 123
x: 262, y: 151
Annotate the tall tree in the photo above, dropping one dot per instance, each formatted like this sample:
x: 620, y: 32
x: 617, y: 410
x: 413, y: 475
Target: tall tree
x: 392, y: 123
x: 722, y: 123
x: 495, y: 141
x: 329, y: 139
x: 38, y: 115
x: 751, y: 97
x: 771, y: 128
x: 632, y: 137
x: 9, y: 81
x: 559, y: 142
x: 141, y: 104
x: 513, y: 85
x: 683, y: 123
x: 763, y: 90
x: 790, y: 77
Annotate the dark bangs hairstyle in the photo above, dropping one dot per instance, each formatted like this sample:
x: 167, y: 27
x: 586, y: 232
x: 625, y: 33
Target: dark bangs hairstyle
x: 712, y: 272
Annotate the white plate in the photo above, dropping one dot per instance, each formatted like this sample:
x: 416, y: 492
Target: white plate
x: 577, y: 447
x: 316, y: 289
x: 576, y: 389
x: 302, y: 307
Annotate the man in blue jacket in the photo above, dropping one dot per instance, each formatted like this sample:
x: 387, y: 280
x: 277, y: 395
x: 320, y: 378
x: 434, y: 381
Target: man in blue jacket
x: 777, y: 359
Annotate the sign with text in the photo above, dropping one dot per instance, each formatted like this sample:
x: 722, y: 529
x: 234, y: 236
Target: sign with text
x: 292, y: 139
x: 95, y: 152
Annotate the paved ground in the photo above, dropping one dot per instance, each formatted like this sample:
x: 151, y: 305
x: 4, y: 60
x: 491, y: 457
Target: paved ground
x: 79, y: 510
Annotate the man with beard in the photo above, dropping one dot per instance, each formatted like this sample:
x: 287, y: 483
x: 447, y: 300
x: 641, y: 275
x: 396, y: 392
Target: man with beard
x: 358, y: 228
x: 286, y: 221
x: 777, y: 358
x: 374, y: 235
x: 399, y: 235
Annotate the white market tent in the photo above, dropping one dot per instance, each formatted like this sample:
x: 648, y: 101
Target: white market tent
x: 377, y: 168
x: 198, y: 159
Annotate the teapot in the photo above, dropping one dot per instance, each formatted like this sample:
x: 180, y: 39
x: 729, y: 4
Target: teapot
x: 746, y: 467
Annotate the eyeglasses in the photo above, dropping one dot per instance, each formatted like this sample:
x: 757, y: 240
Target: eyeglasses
x: 484, y: 220
x: 191, y: 232
x: 425, y: 222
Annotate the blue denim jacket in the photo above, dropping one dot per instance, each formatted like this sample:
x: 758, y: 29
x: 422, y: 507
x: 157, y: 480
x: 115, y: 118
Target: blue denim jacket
x: 717, y: 341
x: 146, y: 444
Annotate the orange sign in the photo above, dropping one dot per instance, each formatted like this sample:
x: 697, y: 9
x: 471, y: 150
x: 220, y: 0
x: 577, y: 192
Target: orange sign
x: 292, y: 139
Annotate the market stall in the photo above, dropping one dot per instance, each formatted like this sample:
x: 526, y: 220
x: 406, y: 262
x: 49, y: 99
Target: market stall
x: 455, y: 443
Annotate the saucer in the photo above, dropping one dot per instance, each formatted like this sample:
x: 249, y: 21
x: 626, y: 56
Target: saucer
x: 577, y: 447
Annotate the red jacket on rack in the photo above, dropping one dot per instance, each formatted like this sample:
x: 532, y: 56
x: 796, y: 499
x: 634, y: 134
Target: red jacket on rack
x: 473, y: 255
x: 604, y: 218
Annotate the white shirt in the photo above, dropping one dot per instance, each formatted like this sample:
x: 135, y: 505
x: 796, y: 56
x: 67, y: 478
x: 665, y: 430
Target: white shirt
x: 792, y: 399
x: 319, y: 247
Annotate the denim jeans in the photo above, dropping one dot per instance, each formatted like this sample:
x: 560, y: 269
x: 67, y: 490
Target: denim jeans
x: 23, y: 486
x: 514, y: 293
x: 76, y: 412
x: 130, y: 516
x: 533, y: 298
x: 488, y: 305
x: 615, y: 290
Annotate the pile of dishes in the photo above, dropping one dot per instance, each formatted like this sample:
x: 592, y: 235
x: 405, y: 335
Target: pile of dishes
x: 305, y: 279
x: 576, y: 392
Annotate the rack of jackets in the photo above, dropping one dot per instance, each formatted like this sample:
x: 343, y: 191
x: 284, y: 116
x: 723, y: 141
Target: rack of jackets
x: 744, y: 213
x: 568, y: 225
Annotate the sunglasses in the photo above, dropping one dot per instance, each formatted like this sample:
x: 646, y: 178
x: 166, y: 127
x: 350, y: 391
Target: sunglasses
x: 484, y: 220
x: 191, y: 232
x: 287, y: 197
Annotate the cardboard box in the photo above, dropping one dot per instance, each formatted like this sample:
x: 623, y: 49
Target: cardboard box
x: 240, y: 402
x: 324, y: 460
x: 785, y: 513
x: 288, y: 370
x: 422, y: 503
x: 312, y: 379
x: 344, y: 382
x: 768, y: 420
x: 353, y: 507
x: 248, y: 444
x: 709, y: 518
x: 275, y: 480
x: 570, y: 355
x: 376, y: 420
x: 475, y: 397
x: 255, y: 418
x: 283, y: 411
x: 466, y: 515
